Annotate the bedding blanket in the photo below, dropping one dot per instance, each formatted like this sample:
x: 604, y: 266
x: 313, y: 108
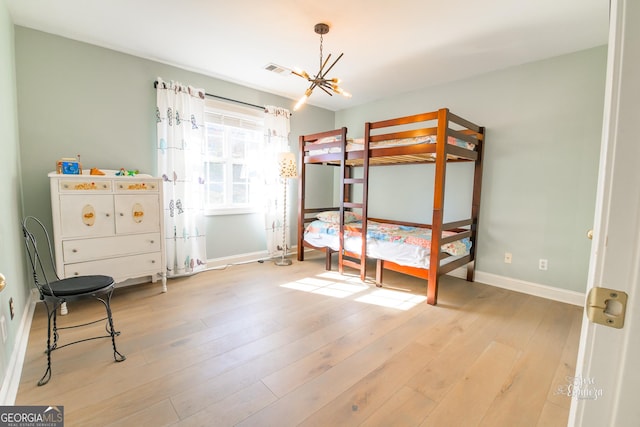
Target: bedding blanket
x: 391, y: 233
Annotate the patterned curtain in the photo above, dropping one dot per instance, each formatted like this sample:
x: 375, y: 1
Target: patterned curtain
x: 181, y: 145
x: 276, y: 124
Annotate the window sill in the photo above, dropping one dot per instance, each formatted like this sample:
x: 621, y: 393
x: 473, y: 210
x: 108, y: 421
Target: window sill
x: 232, y: 211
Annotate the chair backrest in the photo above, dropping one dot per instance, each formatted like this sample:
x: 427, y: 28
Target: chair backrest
x: 40, y: 253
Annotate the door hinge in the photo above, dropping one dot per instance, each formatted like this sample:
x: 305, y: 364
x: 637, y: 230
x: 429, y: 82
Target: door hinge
x: 606, y: 307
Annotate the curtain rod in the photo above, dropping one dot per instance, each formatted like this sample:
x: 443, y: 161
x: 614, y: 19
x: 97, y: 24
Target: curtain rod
x: 235, y: 100
x: 261, y: 107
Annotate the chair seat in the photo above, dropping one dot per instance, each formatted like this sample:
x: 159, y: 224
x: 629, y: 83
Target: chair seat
x: 78, y: 285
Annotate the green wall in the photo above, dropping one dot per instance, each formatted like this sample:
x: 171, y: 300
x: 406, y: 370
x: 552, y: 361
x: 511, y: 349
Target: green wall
x: 11, y: 245
x: 543, y: 122
x: 77, y: 98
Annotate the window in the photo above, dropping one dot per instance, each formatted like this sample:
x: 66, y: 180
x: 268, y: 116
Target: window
x: 235, y: 139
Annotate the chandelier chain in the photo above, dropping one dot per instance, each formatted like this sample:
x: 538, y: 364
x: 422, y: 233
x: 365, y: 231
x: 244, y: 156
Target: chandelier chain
x: 320, y: 51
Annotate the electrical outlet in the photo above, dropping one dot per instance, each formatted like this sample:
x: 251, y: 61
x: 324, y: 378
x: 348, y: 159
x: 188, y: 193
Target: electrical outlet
x: 507, y: 257
x: 3, y: 329
x: 543, y: 264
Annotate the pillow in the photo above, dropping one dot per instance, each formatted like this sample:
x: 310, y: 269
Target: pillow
x: 333, y: 217
x: 328, y: 139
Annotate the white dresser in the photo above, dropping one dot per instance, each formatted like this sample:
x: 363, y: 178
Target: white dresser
x: 108, y: 224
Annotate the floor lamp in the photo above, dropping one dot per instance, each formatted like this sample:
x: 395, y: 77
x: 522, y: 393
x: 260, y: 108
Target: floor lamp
x: 287, y: 169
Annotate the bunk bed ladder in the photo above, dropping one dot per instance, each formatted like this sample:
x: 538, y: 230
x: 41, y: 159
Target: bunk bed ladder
x: 348, y: 182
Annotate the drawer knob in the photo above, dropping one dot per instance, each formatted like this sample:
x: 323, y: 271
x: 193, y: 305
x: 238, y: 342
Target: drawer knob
x: 153, y: 261
x: 74, y: 251
x: 152, y: 242
x: 121, y: 214
x: 108, y: 215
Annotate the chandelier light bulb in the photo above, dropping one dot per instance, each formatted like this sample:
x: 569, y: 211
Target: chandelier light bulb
x: 302, y: 100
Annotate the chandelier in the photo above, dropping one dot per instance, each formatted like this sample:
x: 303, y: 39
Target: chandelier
x: 330, y: 86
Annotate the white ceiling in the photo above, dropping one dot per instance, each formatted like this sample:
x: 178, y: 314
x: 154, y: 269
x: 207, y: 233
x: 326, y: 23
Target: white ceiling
x: 390, y: 46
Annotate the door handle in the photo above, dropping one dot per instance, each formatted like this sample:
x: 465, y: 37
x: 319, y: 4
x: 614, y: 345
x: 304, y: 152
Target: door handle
x: 590, y: 234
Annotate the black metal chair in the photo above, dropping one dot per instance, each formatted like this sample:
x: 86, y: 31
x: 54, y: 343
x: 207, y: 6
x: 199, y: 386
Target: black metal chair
x: 53, y: 293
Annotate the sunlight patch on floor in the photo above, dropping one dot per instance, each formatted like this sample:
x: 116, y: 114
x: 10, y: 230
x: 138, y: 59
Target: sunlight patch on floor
x: 392, y: 299
x: 327, y: 287
x: 335, y: 285
x: 334, y: 275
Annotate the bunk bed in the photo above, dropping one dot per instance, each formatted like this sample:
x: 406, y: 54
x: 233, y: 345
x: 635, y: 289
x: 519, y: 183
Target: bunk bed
x: 435, y: 138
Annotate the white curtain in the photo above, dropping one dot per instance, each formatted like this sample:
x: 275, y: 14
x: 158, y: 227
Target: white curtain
x: 276, y: 124
x: 181, y: 145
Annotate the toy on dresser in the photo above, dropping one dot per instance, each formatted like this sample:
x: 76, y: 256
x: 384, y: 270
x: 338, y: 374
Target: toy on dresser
x: 69, y: 166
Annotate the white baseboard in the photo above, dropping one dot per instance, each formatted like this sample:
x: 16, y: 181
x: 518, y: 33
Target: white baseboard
x: 237, y: 259
x: 11, y: 382
x: 530, y: 288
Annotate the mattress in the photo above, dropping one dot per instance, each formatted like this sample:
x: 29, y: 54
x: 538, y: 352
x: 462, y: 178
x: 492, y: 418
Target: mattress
x: 357, y: 144
x: 404, y: 245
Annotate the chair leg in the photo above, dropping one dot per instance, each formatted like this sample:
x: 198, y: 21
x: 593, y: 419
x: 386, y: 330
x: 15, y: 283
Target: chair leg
x: 50, y: 347
x: 117, y: 356
x: 52, y: 332
x: 56, y: 335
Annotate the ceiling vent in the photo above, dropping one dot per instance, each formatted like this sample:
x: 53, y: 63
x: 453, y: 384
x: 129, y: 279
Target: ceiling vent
x: 278, y: 69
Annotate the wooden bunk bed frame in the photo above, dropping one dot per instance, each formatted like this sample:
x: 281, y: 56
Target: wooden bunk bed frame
x: 314, y: 151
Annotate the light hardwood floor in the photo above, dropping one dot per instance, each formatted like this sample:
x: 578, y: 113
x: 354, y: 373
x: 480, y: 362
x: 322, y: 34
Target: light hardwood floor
x: 262, y: 345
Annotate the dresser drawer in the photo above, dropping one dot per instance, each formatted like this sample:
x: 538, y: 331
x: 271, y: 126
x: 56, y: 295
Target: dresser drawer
x: 74, y: 185
x: 120, y: 268
x: 113, y: 246
x: 138, y: 185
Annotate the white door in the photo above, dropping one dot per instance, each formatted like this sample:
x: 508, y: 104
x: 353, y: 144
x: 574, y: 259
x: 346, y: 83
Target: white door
x: 607, y: 381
